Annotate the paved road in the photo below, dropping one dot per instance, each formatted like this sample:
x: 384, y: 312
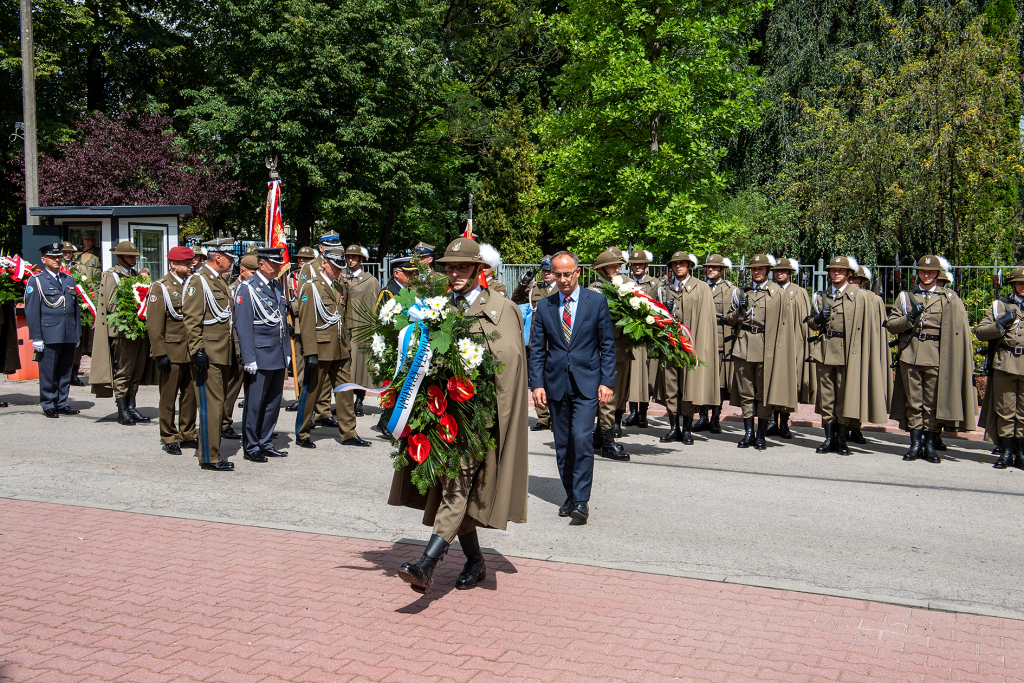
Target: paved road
x: 866, y: 524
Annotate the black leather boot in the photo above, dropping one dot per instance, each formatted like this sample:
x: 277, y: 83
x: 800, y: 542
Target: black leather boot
x: 1005, y: 447
x: 76, y: 381
x: 475, y: 569
x: 915, y: 445
x: 748, y: 433
x: 419, y: 574
x: 715, y: 427
x: 762, y: 429
x: 130, y: 405
x: 856, y: 437
x: 826, y: 445
x: 358, y: 407
x: 784, y: 432
x: 1018, y: 453
x: 773, y: 425
x: 684, y: 434
x: 937, y: 440
x: 839, y: 434
x: 701, y: 423
x: 633, y: 416
x: 598, y: 438
x: 610, y: 449
x: 642, y: 420
x: 123, y: 416
x: 673, y: 429
x: 617, y: 429
x: 928, y: 447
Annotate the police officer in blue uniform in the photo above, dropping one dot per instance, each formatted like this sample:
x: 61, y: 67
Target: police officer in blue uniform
x: 263, y: 343
x: 53, y: 314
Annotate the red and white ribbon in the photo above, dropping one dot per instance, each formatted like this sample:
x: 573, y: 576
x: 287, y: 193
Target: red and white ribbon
x: 86, y: 299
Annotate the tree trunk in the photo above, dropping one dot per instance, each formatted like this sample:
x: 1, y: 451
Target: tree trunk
x: 95, y: 95
x: 390, y: 217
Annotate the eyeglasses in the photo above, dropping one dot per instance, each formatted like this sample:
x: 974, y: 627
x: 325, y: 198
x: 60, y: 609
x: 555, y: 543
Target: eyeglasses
x: 461, y: 267
x: 565, y: 276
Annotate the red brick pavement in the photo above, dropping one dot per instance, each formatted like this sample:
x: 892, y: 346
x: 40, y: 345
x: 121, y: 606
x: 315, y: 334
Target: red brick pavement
x: 94, y: 595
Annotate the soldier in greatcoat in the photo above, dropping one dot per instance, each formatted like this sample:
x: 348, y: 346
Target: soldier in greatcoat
x: 934, y: 384
x: 863, y: 280
x: 682, y: 390
x: 168, y: 346
x: 487, y: 494
x: 784, y: 272
x: 765, y: 362
x: 643, y: 370
x: 207, y: 315
x: 715, y: 267
x: 322, y: 411
x: 530, y: 291
x: 363, y: 290
x: 607, y: 265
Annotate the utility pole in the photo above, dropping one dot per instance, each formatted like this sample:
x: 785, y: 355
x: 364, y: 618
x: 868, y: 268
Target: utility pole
x: 28, y: 95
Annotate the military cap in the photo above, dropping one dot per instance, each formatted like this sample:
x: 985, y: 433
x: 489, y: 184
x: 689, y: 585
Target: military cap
x: 639, y: 256
x: 305, y: 252
x: 180, y: 254
x: 67, y: 246
x: 221, y: 245
x: 423, y: 249
x: 273, y: 254
x: 124, y: 248
x: 1016, y: 275
x: 354, y: 250
x: 250, y: 262
x: 336, y: 255
x: 462, y: 250
x: 545, y: 263
x: 51, y: 249
x: 612, y: 256
x: 718, y: 260
x: 929, y: 262
x: 843, y: 263
x: 762, y: 260
x: 251, y: 249
x: 683, y: 256
x: 405, y: 263
x: 330, y: 239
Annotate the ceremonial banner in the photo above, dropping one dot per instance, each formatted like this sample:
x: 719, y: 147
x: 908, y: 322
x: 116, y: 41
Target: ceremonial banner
x: 274, y: 235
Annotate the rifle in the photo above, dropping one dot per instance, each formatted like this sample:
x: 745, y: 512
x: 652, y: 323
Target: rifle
x: 821, y: 333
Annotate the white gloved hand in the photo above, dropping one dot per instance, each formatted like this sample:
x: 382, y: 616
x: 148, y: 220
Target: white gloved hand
x: 251, y: 368
x: 287, y: 361
x: 38, y: 346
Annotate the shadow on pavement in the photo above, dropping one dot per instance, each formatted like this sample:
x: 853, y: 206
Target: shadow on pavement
x: 548, y: 489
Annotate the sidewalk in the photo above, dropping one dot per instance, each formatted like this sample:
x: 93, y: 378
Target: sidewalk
x: 95, y: 595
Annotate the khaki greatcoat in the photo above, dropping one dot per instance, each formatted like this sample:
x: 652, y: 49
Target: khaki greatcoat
x: 100, y: 372
x: 363, y: 290
x: 808, y: 382
x: 721, y: 294
x: 694, y: 307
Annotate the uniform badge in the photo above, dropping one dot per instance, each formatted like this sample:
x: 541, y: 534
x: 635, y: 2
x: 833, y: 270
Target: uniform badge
x: 191, y: 291
x: 238, y: 300
x: 152, y: 298
x: 305, y: 298
x: 928, y: 260
x: 494, y: 314
x: 457, y: 247
x: 28, y: 290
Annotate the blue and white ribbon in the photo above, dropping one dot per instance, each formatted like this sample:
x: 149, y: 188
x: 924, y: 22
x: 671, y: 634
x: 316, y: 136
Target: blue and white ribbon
x: 406, y: 397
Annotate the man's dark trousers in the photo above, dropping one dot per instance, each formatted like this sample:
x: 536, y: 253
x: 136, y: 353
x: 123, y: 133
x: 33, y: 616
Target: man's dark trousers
x: 55, y: 375
x: 261, y: 409
x: 572, y: 421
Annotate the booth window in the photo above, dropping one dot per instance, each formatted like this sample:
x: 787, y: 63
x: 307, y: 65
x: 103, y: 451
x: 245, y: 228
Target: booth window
x: 150, y: 242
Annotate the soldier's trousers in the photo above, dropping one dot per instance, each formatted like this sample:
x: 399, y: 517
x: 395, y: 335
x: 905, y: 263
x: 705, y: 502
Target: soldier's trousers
x: 263, y: 391
x: 1008, y: 395
x: 750, y: 383
x: 606, y: 412
x: 177, y: 382
x: 727, y: 372
x: 329, y: 374
x: 451, y: 519
x: 672, y: 384
x: 210, y: 398
x: 920, y: 385
x: 232, y: 388
x: 831, y: 394
x: 127, y: 363
x: 55, y: 375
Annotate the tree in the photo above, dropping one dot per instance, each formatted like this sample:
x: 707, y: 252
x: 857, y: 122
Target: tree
x: 636, y: 129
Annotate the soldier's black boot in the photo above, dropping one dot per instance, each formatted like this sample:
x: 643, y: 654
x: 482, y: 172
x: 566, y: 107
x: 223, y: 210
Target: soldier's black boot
x: 642, y: 420
x: 617, y: 429
x: 715, y: 426
x: 673, y: 429
x: 784, y: 426
x: 1018, y: 453
x: 130, y: 405
x: 928, y: 447
x: 475, y: 569
x: 856, y: 437
x: 915, y: 445
x: 826, y: 445
x: 123, y: 416
x: 937, y: 441
x: 839, y: 434
x: 610, y: 449
x: 419, y: 574
x: 762, y: 430
x: 1005, y: 447
x: 684, y: 434
x: 773, y: 425
x: 358, y: 407
x: 701, y: 423
x: 748, y: 433
x: 598, y: 438
x: 76, y: 381
x: 633, y: 416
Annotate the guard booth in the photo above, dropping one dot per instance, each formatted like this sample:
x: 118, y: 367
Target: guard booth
x: 152, y: 229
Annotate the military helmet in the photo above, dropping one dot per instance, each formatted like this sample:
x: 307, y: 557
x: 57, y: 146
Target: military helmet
x: 718, y: 260
x: 929, y: 262
x: 1016, y: 275
x: 609, y: 257
x: 683, y: 256
x: 462, y: 250
x: 864, y: 272
x: 788, y: 264
x: 354, y: 250
x: 67, y: 246
x: 125, y: 248
x: 305, y: 252
x: 762, y: 260
x: 639, y: 256
x: 843, y: 263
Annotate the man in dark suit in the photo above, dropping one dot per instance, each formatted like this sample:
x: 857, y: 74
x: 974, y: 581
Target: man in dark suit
x: 263, y: 344
x: 572, y: 365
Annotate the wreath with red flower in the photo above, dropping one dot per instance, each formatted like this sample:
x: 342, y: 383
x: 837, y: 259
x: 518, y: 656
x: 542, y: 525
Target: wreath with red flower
x: 646, y: 322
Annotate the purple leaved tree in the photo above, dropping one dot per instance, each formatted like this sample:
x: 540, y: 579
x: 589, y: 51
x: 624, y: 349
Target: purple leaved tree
x: 129, y: 160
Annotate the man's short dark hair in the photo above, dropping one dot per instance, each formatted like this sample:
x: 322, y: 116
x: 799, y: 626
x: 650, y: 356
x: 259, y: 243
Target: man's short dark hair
x: 574, y: 257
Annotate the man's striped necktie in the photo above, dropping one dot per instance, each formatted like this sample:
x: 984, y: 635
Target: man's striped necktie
x: 567, y: 319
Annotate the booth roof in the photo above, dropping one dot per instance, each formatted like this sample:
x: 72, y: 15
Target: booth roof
x: 105, y: 211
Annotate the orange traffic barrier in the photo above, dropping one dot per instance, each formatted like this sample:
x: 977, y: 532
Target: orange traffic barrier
x: 29, y: 368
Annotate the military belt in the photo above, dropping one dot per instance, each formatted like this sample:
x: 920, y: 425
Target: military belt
x: 929, y: 337
x: 1017, y: 350
x: 834, y: 333
x: 754, y: 329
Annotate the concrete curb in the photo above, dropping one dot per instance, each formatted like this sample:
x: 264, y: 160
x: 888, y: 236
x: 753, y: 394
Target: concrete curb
x: 753, y: 581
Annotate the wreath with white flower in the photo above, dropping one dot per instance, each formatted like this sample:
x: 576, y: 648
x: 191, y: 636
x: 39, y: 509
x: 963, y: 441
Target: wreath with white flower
x: 646, y: 322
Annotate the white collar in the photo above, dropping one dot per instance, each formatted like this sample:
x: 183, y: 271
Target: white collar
x: 712, y: 285
x: 263, y: 278
x: 575, y: 296
x: 56, y: 275
x: 840, y: 290
x: 683, y: 282
x: 180, y: 281
x: 471, y: 297
x: 355, y: 273
x: 932, y: 290
x: 215, y: 273
x: 785, y: 286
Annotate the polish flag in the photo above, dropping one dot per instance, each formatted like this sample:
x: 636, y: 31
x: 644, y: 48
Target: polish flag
x: 274, y: 236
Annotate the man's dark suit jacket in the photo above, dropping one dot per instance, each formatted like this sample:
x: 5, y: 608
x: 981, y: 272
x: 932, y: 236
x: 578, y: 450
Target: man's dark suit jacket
x: 589, y: 357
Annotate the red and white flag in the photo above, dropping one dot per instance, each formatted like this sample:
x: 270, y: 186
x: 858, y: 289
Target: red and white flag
x: 275, y: 236
x: 468, y: 232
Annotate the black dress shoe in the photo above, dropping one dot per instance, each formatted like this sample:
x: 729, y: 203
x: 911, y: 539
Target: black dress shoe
x: 580, y: 511
x: 173, y: 448
x: 217, y: 466
x: 326, y: 422
x: 191, y: 443
x: 4, y: 404
x: 273, y: 453
x: 230, y: 433
x: 68, y: 411
x: 292, y: 408
x: 566, y: 508
x: 51, y: 412
x: 77, y: 382
x: 305, y: 443
x: 539, y: 428
x: 356, y: 441
x: 255, y: 457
